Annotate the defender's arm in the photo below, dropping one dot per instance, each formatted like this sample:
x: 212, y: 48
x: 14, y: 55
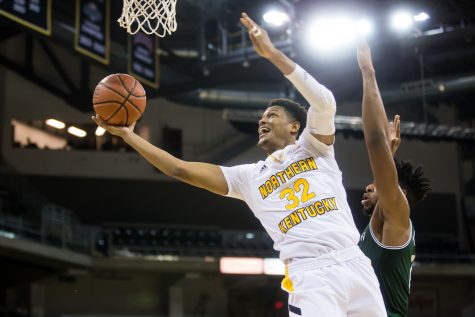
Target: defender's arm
x: 377, y: 137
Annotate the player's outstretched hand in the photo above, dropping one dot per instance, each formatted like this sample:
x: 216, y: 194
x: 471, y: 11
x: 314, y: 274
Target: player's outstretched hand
x: 364, y: 55
x: 115, y: 130
x: 395, y: 134
x: 259, y: 37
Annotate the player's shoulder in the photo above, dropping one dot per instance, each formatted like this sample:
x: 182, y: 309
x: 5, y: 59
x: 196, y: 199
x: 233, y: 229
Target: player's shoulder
x: 309, y: 141
x: 250, y: 167
x: 314, y: 146
x: 259, y: 169
x: 241, y: 172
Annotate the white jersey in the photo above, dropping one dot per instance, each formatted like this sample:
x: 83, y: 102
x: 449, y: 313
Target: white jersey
x: 298, y: 195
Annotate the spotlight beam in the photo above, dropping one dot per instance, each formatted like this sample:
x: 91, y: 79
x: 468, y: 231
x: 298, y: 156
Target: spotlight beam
x: 331, y: 33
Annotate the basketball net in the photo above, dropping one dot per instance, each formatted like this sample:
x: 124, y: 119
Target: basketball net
x: 150, y: 16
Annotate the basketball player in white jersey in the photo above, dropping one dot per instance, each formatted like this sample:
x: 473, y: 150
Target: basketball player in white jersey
x: 296, y: 193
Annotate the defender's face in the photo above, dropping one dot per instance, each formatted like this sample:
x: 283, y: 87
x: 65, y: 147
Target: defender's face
x: 370, y: 198
x: 275, y: 129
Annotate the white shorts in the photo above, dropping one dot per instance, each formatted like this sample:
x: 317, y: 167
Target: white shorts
x: 337, y: 284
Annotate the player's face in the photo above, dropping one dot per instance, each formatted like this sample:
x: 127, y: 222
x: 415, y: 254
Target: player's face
x: 370, y: 198
x: 275, y: 129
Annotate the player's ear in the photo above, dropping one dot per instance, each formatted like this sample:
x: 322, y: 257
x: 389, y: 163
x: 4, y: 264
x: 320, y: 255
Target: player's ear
x: 295, y: 127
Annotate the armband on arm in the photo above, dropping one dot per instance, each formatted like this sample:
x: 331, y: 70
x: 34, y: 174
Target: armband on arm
x: 321, y: 122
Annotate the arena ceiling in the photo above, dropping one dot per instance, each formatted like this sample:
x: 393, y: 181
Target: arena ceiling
x: 432, y: 65
x: 207, y: 51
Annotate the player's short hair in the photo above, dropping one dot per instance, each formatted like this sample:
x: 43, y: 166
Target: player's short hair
x: 412, y: 179
x: 295, y: 110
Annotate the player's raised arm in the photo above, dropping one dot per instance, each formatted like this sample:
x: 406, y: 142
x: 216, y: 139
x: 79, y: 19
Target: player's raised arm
x: 379, y: 140
x: 203, y: 175
x: 321, y: 114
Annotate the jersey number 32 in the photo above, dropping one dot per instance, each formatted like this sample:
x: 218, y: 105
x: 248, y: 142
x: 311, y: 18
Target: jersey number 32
x: 300, y: 186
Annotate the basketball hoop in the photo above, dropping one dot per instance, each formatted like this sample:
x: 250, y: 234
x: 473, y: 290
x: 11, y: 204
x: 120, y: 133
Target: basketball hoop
x: 150, y: 16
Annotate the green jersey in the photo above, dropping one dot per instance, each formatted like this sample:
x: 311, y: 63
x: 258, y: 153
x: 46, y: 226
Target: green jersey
x: 392, y: 266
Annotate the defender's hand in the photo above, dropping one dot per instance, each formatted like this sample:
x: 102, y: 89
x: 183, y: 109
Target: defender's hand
x: 364, y: 55
x: 115, y: 130
x: 259, y: 37
x: 395, y: 134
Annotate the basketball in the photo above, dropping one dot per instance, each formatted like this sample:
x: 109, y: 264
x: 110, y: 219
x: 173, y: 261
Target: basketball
x: 119, y: 99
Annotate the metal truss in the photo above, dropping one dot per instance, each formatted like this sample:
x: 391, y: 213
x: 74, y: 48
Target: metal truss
x: 353, y: 125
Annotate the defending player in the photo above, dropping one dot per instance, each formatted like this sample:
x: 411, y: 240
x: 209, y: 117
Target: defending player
x: 296, y: 193
x: 388, y: 240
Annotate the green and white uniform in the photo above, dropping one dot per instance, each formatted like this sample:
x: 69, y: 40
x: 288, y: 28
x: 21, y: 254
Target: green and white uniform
x: 393, y: 266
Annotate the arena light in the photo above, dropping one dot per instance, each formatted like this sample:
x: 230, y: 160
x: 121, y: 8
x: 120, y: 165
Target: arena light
x: 327, y: 34
x: 100, y: 131
x: 421, y: 17
x: 7, y: 234
x: 55, y: 123
x: 77, y: 132
x: 401, y: 21
x: 364, y: 27
x: 230, y: 265
x: 250, y: 235
x: 274, y: 267
x: 275, y: 18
